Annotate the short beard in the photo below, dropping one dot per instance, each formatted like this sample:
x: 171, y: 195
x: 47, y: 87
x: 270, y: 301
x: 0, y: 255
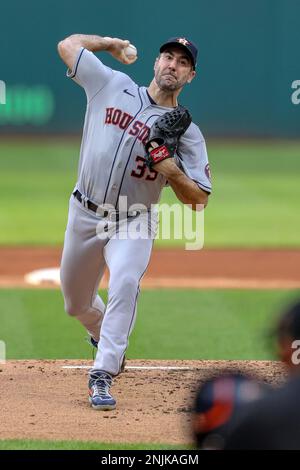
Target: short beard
x: 171, y: 87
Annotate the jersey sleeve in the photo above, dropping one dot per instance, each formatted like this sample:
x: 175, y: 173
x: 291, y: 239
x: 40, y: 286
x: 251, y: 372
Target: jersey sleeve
x: 192, y: 157
x: 90, y: 73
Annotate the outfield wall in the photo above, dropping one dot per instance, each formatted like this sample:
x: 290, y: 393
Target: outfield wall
x: 248, y: 61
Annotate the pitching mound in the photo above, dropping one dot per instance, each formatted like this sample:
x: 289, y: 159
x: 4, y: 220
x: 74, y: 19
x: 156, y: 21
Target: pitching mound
x: 45, y: 400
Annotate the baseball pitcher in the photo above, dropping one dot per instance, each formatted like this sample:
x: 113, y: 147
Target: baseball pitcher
x: 135, y: 140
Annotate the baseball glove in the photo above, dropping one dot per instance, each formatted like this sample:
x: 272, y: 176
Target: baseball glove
x: 164, y: 135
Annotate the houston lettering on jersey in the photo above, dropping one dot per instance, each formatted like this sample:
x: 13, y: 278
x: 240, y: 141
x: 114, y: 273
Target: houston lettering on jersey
x: 120, y: 118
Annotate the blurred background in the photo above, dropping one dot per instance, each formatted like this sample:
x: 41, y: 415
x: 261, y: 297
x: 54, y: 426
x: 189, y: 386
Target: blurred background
x: 241, y: 100
x: 244, y: 100
x: 247, y: 61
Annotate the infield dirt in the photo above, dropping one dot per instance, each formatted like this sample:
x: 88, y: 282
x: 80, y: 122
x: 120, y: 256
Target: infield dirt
x: 41, y: 400
x: 214, y: 268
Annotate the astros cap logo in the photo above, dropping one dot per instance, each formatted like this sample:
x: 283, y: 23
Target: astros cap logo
x: 183, y: 41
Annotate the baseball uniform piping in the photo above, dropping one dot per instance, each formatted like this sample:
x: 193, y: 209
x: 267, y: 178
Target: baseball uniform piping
x: 206, y: 188
x: 137, y: 293
x: 76, y: 66
x: 131, y: 150
x: 201, y: 185
x: 114, y: 160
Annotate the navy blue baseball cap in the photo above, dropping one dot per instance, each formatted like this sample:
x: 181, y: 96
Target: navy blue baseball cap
x: 189, y: 47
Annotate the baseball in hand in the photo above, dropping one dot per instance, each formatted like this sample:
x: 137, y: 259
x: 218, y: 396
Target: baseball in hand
x: 130, y: 52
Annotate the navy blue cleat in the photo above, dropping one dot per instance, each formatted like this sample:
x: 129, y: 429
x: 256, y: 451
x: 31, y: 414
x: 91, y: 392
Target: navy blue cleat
x: 99, y: 395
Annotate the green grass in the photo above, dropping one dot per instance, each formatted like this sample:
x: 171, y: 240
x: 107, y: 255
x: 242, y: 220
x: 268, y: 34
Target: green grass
x: 171, y: 324
x: 79, y: 445
x: 254, y: 202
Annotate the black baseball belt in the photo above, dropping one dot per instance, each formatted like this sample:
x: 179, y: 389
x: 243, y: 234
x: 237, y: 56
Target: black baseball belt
x: 102, y: 212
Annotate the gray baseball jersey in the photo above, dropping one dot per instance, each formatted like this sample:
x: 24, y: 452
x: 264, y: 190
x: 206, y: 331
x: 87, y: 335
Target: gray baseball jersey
x: 118, y: 118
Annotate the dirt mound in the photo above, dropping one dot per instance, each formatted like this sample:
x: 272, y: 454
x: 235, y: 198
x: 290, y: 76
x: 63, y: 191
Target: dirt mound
x: 45, y: 400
